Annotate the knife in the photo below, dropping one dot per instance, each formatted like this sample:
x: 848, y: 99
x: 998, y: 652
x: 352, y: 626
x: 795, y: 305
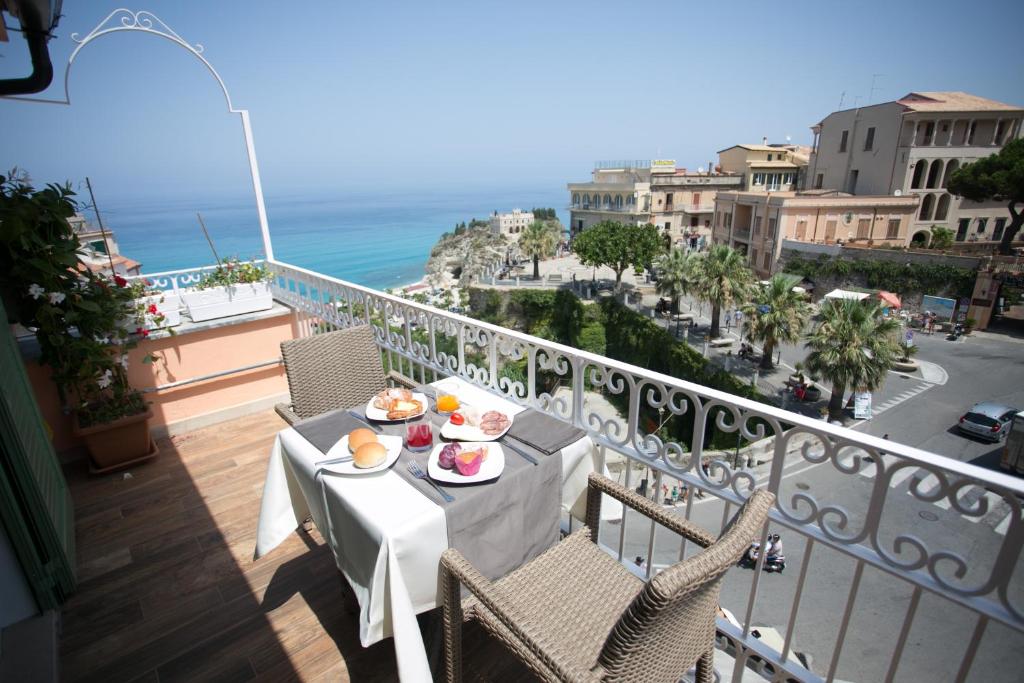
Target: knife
x: 364, y: 421
x: 333, y: 461
x: 526, y: 456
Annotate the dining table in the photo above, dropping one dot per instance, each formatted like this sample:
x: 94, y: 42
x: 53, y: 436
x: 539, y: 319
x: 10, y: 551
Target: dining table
x: 387, y: 529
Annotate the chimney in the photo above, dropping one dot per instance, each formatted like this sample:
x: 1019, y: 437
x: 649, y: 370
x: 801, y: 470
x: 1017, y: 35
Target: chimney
x: 764, y: 140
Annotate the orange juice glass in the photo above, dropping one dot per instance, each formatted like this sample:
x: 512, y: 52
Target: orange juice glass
x: 446, y: 403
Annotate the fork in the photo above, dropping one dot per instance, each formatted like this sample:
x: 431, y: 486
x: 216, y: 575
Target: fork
x: 417, y: 472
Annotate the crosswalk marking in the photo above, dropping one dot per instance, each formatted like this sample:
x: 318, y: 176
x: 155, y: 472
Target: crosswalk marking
x: 905, y: 395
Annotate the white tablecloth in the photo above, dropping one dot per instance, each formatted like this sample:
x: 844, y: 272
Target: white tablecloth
x: 387, y: 538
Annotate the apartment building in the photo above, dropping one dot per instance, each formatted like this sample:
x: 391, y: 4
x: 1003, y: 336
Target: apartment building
x: 510, y: 224
x: 756, y: 223
x: 911, y: 146
x: 683, y: 203
x: 764, y: 167
x: 619, y: 191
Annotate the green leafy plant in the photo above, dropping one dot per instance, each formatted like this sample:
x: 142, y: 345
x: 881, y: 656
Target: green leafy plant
x: 231, y: 271
x: 776, y: 314
x: 999, y: 178
x: 85, y: 322
x: 617, y: 246
x: 942, y: 237
x: 722, y: 278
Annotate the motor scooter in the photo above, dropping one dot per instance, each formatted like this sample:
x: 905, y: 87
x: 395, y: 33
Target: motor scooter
x: 957, y: 332
x: 772, y: 563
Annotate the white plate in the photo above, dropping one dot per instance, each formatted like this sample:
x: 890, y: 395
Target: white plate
x: 340, y: 450
x: 378, y: 415
x: 467, y: 432
x: 491, y: 468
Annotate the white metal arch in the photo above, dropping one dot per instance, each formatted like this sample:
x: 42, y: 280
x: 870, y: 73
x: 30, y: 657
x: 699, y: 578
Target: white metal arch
x: 146, y: 22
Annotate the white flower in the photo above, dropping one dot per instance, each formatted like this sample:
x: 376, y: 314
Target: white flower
x: 35, y: 291
x: 56, y: 297
x: 123, y: 360
x: 101, y: 340
x: 104, y: 381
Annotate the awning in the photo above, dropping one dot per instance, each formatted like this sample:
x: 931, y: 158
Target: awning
x: 845, y: 294
x: 890, y: 298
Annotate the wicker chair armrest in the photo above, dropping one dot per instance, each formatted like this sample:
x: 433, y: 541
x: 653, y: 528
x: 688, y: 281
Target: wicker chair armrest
x: 495, y: 600
x: 598, y: 484
x: 286, y: 413
x: 401, y: 380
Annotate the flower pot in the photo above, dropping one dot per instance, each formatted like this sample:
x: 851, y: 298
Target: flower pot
x: 168, y: 305
x: 119, y: 443
x: 227, y: 300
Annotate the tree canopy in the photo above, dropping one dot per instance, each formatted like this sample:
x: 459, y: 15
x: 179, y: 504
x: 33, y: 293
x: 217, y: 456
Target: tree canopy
x: 617, y: 246
x: 722, y: 278
x: 776, y: 314
x: 853, y: 347
x: 999, y: 178
x: 538, y: 240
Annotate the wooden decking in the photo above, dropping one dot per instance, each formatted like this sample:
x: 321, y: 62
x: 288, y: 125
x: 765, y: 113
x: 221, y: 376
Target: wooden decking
x: 168, y: 590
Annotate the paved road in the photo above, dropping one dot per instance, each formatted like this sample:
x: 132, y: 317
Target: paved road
x: 920, y: 414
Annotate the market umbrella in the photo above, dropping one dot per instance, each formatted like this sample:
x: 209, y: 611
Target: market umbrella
x: 890, y: 298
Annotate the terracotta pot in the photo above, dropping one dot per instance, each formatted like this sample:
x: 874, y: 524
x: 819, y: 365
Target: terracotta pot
x: 118, y: 443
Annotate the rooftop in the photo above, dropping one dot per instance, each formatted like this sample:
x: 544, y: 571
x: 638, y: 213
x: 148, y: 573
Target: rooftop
x: 954, y: 101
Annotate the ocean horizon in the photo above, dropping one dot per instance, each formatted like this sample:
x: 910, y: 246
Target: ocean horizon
x: 375, y: 239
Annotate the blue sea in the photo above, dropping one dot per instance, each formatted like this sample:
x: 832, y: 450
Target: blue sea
x: 375, y: 239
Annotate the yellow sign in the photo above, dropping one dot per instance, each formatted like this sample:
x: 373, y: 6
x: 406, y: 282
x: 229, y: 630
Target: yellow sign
x: 663, y: 166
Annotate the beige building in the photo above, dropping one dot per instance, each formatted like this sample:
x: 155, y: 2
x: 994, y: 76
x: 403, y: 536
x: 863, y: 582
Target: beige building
x: 620, y: 191
x: 911, y: 147
x: 511, y: 224
x: 99, y: 252
x: 683, y: 203
x: 764, y: 167
x: 756, y: 223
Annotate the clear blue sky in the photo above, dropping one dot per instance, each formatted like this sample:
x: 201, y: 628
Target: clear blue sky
x: 409, y: 96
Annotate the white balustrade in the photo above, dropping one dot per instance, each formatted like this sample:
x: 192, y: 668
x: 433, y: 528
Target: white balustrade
x: 427, y: 343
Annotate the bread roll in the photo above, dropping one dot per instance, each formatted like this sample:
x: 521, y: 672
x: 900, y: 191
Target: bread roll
x: 369, y: 454
x: 357, y: 437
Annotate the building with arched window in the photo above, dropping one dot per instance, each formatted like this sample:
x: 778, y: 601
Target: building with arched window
x: 620, y: 191
x: 913, y: 146
x: 511, y: 224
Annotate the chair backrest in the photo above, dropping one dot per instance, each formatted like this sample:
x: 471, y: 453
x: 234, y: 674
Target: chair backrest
x: 332, y: 370
x: 671, y: 623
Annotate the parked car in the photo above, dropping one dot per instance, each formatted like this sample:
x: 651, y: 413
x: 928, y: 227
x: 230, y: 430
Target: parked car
x: 987, y: 420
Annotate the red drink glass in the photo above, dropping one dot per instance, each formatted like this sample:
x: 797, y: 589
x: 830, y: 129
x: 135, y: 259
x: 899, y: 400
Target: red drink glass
x: 419, y: 437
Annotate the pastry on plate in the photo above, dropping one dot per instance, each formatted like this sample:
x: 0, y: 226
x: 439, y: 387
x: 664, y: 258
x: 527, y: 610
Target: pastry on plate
x: 402, y: 409
x: 386, y: 399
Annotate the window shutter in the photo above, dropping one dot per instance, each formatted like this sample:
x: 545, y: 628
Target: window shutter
x: 35, y: 504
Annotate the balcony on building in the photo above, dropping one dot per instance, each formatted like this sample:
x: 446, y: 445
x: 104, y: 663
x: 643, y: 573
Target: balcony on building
x: 168, y: 587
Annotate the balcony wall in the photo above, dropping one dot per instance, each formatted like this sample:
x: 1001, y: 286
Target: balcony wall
x: 196, y: 350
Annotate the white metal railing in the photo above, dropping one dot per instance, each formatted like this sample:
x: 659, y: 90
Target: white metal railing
x: 176, y: 280
x: 425, y: 343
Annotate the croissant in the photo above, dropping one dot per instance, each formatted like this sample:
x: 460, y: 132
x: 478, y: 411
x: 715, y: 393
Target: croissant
x: 402, y: 409
x: 387, y: 398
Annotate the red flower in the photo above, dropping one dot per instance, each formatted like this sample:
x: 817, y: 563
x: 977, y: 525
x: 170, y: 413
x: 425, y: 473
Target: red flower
x: 152, y: 309
x: 139, y: 330
x: 149, y: 281
x: 145, y: 333
x: 120, y: 281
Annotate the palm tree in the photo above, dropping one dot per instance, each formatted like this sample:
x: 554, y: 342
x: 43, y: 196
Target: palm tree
x: 675, y: 277
x: 540, y: 239
x: 776, y: 315
x: 722, y: 278
x: 853, y: 347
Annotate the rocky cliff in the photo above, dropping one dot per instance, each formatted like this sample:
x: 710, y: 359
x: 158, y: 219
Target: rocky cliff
x: 463, y: 257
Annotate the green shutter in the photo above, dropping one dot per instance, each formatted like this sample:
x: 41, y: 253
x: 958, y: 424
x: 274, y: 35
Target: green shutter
x: 35, y: 504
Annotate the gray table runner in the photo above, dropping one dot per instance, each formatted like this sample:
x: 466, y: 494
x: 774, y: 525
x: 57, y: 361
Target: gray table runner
x: 497, y: 525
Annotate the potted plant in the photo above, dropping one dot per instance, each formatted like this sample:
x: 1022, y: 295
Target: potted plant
x: 232, y: 288
x: 155, y: 309
x: 85, y: 322
x: 906, y: 362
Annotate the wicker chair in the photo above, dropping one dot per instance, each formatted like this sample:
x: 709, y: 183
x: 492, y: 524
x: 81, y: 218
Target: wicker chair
x: 576, y: 614
x: 329, y: 371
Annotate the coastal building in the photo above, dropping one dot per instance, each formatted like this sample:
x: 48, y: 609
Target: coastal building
x: 511, y: 224
x: 100, y: 252
x: 619, y: 191
x: 683, y: 203
x: 912, y: 146
x: 756, y: 223
x: 764, y: 167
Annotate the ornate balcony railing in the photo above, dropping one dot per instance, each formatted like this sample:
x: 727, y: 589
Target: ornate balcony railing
x: 875, y: 530
x: 176, y: 280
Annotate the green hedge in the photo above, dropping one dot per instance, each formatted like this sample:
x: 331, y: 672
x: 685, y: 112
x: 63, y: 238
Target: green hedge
x: 924, y: 278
